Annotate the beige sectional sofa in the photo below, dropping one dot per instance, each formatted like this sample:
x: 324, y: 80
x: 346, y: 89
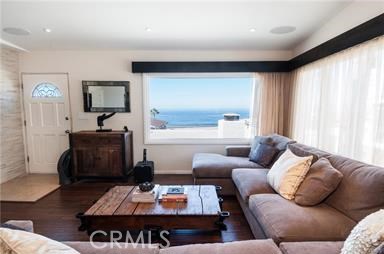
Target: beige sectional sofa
x: 361, y: 192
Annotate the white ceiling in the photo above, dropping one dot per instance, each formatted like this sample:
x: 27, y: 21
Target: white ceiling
x: 174, y: 24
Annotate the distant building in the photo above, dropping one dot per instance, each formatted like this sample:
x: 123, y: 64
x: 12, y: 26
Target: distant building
x: 158, y: 124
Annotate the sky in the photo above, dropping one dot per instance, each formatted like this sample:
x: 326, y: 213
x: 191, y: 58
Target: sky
x: 200, y: 93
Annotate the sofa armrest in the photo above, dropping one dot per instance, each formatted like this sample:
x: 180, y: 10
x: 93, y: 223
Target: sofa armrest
x: 27, y: 225
x: 238, y: 151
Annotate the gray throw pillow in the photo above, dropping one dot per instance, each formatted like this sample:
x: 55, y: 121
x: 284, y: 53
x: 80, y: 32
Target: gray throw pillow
x: 260, y: 140
x: 264, y: 154
x: 321, y: 180
x: 302, y: 153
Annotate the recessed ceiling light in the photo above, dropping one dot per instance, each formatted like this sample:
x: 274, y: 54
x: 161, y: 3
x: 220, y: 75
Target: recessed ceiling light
x: 47, y: 30
x: 148, y: 29
x: 252, y: 30
x: 16, y: 31
x: 283, y: 29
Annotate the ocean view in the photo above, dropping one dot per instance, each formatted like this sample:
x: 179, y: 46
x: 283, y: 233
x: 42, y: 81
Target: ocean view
x: 196, y: 118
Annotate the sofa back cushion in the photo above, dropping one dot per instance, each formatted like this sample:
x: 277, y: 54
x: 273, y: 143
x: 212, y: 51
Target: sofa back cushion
x: 241, y: 247
x: 295, y: 147
x: 361, y: 190
x: 281, y: 143
x: 303, y: 152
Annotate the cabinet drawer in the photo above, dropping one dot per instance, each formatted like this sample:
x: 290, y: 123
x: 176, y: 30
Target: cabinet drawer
x: 94, y: 140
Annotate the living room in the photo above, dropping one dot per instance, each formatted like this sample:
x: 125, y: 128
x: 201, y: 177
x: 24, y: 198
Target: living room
x: 262, y: 118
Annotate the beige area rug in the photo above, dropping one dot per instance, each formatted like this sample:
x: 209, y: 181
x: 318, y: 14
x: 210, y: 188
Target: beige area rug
x: 29, y: 188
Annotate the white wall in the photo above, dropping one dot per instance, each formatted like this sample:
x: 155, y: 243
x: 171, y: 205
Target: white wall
x: 116, y: 65
x: 353, y: 15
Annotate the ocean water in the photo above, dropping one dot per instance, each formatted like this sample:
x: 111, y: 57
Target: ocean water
x: 194, y: 118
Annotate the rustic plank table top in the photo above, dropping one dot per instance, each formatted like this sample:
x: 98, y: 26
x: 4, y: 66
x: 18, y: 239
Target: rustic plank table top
x: 202, y: 201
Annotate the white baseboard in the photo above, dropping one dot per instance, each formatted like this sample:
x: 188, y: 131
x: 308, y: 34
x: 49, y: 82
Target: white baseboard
x: 173, y: 172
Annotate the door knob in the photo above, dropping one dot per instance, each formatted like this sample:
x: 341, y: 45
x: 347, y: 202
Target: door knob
x: 67, y: 131
x: 67, y: 118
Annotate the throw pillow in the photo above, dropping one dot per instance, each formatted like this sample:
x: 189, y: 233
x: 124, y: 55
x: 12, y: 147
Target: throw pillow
x: 18, y: 241
x: 287, y: 173
x: 302, y: 153
x: 367, y: 235
x: 322, y: 179
x: 263, y: 154
x: 260, y: 140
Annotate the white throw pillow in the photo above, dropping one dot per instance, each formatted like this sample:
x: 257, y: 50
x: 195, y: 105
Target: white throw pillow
x: 22, y: 242
x: 366, y: 236
x: 288, y: 172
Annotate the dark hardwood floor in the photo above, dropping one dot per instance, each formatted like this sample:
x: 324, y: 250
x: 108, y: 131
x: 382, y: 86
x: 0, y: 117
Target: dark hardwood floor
x: 54, y: 215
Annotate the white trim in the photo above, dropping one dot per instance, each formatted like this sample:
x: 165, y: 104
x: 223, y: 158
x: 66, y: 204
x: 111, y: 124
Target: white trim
x: 201, y: 141
x: 174, y: 172
x: 186, y: 141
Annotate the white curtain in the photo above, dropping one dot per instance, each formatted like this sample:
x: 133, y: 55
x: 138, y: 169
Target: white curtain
x: 338, y: 103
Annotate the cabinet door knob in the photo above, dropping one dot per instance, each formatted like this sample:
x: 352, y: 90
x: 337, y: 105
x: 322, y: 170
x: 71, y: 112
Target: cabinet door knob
x: 67, y: 131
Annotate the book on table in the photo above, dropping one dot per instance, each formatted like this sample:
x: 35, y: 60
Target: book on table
x: 139, y: 196
x: 173, y: 194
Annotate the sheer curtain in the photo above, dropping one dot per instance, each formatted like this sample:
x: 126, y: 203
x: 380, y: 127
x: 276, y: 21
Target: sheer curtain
x: 338, y: 103
x: 273, y: 101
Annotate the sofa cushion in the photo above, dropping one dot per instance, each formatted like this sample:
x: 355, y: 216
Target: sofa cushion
x: 251, y: 181
x: 211, y: 165
x: 311, y: 247
x: 285, y: 221
x: 240, y: 247
x: 113, y: 248
x: 263, y: 154
x: 312, y: 150
x: 322, y: 179
x: 287, y: 173
x: 361, y: 191
x: 298, y: 151
x: 281, y: 142
x: 238, y: 150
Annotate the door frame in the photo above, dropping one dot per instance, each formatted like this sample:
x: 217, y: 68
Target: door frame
x: 23, y: 111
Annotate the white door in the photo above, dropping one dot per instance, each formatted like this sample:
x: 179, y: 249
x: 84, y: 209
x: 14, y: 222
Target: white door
x: 46, y: 105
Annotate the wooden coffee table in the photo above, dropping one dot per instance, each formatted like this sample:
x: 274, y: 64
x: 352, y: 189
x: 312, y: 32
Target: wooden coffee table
x: 115, y: 211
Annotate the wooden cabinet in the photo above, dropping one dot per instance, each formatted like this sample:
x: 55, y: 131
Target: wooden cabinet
x: 101, y: 154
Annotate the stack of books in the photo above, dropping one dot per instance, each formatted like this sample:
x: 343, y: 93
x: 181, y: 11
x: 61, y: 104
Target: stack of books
x: 139, y: 196
x: 174, y: 194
